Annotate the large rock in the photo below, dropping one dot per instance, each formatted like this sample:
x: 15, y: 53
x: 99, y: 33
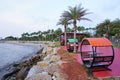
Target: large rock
x: 54, y: 78
x: 42, y: 63
x: 35, y: 70
x: 40, y: 76
x: 55, y: 58
x: 58, y: 75
x: 52, y: 68
x: 21, y: 74
x: 49, y: 68
x: 55, y: 50
x: 60, y: 79
x: 49, y: 51
x: 47, y: 58
x: 60, y: 62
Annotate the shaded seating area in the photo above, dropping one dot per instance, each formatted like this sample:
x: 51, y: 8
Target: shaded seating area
x: 93, y: 53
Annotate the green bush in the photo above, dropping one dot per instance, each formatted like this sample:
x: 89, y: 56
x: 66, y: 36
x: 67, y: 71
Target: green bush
x: 83, y: 66
x: 90, y: 73
x: 57, y: 43
x: 115, y: 45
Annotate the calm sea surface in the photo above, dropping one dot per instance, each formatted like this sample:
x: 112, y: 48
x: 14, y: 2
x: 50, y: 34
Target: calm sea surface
x: 12, y: 53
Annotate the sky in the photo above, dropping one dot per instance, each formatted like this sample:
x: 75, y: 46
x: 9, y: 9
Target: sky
x: 19, y: 16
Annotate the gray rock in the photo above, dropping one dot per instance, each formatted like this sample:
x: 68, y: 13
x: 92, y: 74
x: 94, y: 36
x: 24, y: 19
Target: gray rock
x: 48, y: 57
x: 44, y: 72
x: 40, y: 77
x: 55, y: 58
x: 34, y: 70
x: 21, y: 74
x: 55, y: 50
x: 60, y: 62
x: 52, y: 68
x: 60, y: 79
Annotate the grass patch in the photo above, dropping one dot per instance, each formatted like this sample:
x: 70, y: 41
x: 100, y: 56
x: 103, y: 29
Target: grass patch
x: 57, y: 44
x: 77, y: 53
x: 89, y: 73
x: 68, y: 56
x: 109, y: 78
x: 83, y: 66
x: 115, y: 45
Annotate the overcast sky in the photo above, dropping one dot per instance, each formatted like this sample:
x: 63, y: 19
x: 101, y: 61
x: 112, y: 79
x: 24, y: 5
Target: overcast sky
x: 19, y: 16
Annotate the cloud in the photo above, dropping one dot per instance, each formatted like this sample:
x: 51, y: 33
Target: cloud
x: 18, y: 16
x: 14, y: 19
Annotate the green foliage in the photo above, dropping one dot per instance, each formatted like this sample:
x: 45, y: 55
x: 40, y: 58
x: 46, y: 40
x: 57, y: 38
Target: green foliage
x: 10, y: 38
x: 69, y: 29
x: 108, y: 28
x: 49, y: 35
x: 63, y: 21
x: 83, y: 66
x: 90, y: 73
x: 57, y: 43
x: 73, y: 15
x: 76, y: 52
x: 80, y: 28
x: 58, y: 32
x: 115, y: 45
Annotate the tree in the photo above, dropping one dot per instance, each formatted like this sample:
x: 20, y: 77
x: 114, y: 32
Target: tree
x: 11, y: 38
x: 52, y: 34
x: 75, y: 14
x: 91, y: 31
x: 115, y: 30
x: 69, y: 29
x: 57, y: 33
x: 25, y: 34
x: 104, y: 28
x: 64, y: 21
x: 107, y: 26
x: 80, y: 28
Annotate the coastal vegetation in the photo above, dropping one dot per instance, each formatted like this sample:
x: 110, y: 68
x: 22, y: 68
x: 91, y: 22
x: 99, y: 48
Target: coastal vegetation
x: 107, y: 28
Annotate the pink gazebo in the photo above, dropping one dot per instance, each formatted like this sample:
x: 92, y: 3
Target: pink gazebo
x: 93, y: 53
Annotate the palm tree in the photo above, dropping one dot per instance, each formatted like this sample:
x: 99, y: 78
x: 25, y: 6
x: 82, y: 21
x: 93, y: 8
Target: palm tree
x: 107, y: 24
x: 75, y: 14
x: 80, y: 28
x: 104, y: 28
x: 69, y: 29
x: 64, y: 21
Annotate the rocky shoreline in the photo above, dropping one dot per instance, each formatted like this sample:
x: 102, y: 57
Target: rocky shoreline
x: 15, y: 70
x: 48, y: 68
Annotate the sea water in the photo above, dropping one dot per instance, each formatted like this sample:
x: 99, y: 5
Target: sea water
x: 12, y: 53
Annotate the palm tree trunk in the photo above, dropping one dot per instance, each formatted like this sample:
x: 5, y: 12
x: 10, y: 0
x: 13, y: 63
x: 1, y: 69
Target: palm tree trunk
x: 74, y: 23
x: 65, y: 34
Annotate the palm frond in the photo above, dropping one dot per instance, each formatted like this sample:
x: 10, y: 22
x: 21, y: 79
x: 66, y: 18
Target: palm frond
x: 85, y: 19
x: 63, y: 21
